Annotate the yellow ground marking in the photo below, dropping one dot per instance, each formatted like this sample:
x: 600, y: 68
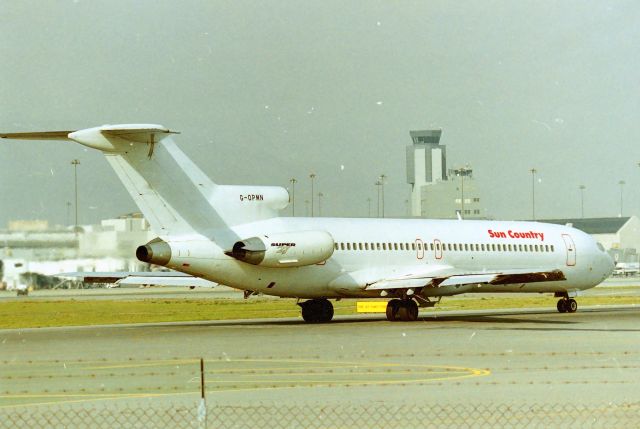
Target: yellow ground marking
x: 243, y: 360
x: 65, y: 395
x: 371, y: 306
x: 441, y: 373
x: 111, y: 397
x: 471, y: 372
x: 362, y: 374
x: 150, y: 363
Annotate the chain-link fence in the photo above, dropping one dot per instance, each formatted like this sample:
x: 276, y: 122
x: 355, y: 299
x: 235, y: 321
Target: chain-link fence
x: 374, y: 415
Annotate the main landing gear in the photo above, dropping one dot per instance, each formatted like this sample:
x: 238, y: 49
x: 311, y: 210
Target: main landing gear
x: 317, y: 310
x: 405, y: 310
x: 567, y: 305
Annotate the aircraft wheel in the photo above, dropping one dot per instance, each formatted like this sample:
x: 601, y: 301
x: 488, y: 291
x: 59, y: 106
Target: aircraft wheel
x: 408, y: 311
x: 317, y: 311
x: 562, y: 305
x: 325, y: 311
x: 572, y: 306
x: 412, y: 310
x: 392, y: 309
x: 307, y: 313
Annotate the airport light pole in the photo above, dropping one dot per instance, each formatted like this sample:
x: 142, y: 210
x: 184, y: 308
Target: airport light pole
x: 621, y: 183
x: 75, y: 164
x: 533, y: 193
x: 68, y: 222
x: 312, y: 176
x: 378, y: 184
x: 320, y: 195
x: 462, y: 171
x: 382, y: 177
x: 582, y: 188
x: 293, y: 196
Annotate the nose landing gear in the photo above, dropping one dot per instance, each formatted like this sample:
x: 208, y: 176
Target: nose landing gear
x: 567, y: 305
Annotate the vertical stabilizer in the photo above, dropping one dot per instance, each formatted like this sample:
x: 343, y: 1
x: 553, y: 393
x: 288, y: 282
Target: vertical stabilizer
x: 174, y: 195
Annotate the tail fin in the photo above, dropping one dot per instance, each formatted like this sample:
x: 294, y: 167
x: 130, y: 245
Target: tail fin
x: 174, y: 195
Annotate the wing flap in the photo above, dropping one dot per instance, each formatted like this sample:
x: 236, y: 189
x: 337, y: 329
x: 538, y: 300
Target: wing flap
x: 530, y: 277
x: 412, y: 277
x: 448, y: 277
x: 399, y: 284
x: 467, y: 279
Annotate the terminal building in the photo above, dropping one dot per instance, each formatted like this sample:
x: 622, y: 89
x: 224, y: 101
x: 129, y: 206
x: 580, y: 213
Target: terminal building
x: 620, y: 236
x: 33, y: 247
x: 438, y: 192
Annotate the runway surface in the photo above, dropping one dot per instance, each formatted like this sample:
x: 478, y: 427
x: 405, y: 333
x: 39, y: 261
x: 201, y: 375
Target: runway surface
x: 505, y: 357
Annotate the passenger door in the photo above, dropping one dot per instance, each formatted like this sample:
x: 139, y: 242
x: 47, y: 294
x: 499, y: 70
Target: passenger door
x: 437, y: 249
x: 571, y: 249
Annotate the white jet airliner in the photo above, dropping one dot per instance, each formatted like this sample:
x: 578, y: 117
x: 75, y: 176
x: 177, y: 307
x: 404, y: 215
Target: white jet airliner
x: 233, y: 235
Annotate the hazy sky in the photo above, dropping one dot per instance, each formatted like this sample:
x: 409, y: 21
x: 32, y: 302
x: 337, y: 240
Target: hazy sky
x: 266, y: 91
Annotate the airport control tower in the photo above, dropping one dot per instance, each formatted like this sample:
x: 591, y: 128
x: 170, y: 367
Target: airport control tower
x: 438, y: 192
x: 426, y: 164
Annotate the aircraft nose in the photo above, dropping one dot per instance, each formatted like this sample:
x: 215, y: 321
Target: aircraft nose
x: 608, y: 263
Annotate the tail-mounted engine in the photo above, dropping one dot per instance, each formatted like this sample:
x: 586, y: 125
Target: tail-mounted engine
x: 289, y: 249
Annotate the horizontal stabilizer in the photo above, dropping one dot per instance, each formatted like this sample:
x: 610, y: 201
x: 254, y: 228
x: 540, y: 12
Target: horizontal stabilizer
x: 95, y: 137
x: 42, y: 135
x: 135, y: 132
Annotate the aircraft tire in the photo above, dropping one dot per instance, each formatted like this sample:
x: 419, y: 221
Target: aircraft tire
x: 572, y: 306
x: 408, y: 311
x: 326, y: 311
x: 392, y: 310
x: 562, y: 306
x: 317, y: 311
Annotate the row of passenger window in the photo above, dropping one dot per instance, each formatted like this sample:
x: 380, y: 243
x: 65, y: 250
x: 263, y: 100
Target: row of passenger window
x: 452, y: 247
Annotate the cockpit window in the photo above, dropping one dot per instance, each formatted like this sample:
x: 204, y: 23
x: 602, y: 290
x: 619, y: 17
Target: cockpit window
x: 601, y: 247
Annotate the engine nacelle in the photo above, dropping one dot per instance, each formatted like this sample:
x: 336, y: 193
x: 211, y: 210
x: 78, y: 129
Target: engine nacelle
x: 287, y: 249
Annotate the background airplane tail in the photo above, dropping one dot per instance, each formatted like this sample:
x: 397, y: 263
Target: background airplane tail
x: 174, y: 195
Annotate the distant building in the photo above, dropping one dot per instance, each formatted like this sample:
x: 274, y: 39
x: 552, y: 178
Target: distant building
x: 619, y: 235
x: 109, y: 246
x: 115, y: 238
x: 438, y: 193
x: 28, y: 225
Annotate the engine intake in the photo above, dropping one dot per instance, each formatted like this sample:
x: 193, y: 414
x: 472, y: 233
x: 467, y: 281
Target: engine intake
x: 289, y: 249
x: 156, y: 251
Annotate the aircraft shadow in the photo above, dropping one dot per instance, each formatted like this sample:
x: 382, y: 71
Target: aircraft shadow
x: 355, y: 321
x: 511, y: 317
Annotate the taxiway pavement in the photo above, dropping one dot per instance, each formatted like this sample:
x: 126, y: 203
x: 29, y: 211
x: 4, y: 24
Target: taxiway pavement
x: 516, y: 356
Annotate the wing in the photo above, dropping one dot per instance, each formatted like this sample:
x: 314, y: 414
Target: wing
x: 449, y: 276
x: 141, y: 278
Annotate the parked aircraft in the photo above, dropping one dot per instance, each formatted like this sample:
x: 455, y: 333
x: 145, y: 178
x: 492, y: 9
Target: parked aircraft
x: 233, y: 235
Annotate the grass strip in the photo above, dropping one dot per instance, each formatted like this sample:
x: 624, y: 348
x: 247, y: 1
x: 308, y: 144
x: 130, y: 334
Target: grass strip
x: 39, y: 313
